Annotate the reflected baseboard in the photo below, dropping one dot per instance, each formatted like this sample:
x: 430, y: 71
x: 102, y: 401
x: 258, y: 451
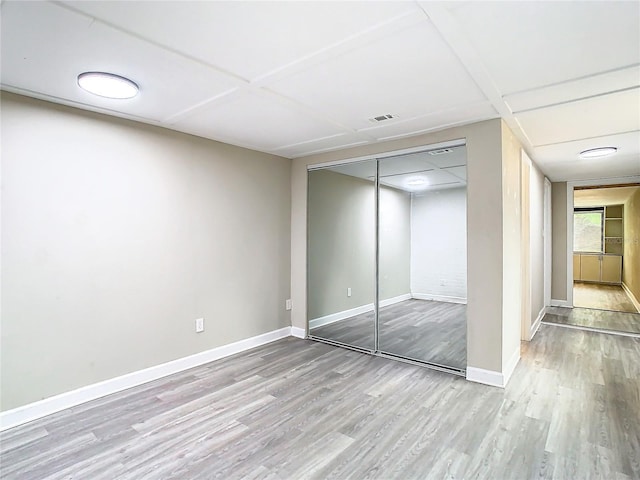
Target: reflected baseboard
x: 352, y: 312
x: 438, y: 298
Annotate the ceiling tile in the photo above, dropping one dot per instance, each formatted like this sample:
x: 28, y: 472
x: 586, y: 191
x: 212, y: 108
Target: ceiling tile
x: 594, y: 117
x: 561, y: 162
x: 583, y: 88
x: 247, y: 38
x: 45, y: 47
x: 531, y: 44
x: 406, y: 73
x: 334, y: 142
x: 257, y: 120
x: 437, y: 120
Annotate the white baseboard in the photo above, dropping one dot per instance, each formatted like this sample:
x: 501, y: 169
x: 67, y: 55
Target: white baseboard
x: 560, y: 303
x: 486, y: 377
x: 398, y: 299
x: 511, y: 365
x: 352, y: 312
x: 298, y: 332
x: 439, y: 298
x: 42, y: 408
x: 536, y: 324
x: 491, y: 377
x: 633, y: 298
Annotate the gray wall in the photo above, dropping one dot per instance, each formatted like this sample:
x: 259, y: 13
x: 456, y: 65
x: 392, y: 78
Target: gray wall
x: 485, y: 253
x: 116, y: 236
x: 536, y: 219
x: 342, y: 242
x: 559, y: 241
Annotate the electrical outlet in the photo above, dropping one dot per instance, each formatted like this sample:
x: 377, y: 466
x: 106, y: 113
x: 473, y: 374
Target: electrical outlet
x: 199, y: 325
x: 287, y: 304
x: 349, y: 292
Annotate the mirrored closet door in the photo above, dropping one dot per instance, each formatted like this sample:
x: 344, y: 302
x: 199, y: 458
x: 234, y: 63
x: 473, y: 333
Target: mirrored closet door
x: 387, y: 244
x: 341, y: 249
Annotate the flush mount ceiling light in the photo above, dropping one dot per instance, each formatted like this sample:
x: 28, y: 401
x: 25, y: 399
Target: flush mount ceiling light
x: 107, y: 85
x: 598, y: 152
x: 416, y: 182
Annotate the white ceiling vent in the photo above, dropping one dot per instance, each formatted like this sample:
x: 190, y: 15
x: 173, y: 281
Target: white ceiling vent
x: 441, y: 151
x: 382, y: 118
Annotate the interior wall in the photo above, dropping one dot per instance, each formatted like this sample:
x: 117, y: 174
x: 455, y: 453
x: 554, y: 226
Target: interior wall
x: 512, y: 247
x: 631, y: 268
x: 341, y: 242
x: 117, y: 235
x: 559, y: 241
x: 536, y: 232
x: 439, y: 244
x: 395, y: 243
x: 484, y: 231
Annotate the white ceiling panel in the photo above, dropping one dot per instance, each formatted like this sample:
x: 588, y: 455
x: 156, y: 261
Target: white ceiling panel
x: 334, y: 142
x: 561, y: 161
x: 460, y: 172
x: 398, y: 74
x: 594, y: 117
x: 45, y: 47
x: 250, y: 39
x: 532, y: 44
x: 607, y: 82
x: 257, y: 120
x: 455, y: 116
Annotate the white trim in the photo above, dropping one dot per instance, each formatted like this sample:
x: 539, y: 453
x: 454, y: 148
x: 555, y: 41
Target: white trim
x: 352, y: 312
x: 343, y: 315
x: 439, y: 298
x: 298, y: 332
x: 592, y: 329
x: 491, y: 377
x: 536, y: 323
x: 560, y: 303
x: 486, y: 377
x: 633, y: 298
x: 511, y: 365
x: 42, y: 408
x: 398, y: 299
x: 374, y: 156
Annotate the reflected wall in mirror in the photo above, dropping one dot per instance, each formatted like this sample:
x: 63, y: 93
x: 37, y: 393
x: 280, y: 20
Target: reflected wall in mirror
x: 341, y: 254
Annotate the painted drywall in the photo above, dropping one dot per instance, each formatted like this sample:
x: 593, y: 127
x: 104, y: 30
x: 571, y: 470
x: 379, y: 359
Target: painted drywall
x: 536, y: 239
x: 631, y: 268
x: 395, y: 243
x: 512, y: 246
x: 439, y: 243
x: 342, y: 242
x: 484, y: 231
x: 116, y: 236
x: 559, y: 241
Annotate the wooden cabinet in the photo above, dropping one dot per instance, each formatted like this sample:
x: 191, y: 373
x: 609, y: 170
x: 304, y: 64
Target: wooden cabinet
x: 611, y: 269
x: 613, y: 229
x: 597, y: 268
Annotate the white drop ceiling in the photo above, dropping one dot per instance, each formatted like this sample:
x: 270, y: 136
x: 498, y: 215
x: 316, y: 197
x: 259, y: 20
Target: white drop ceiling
x: 296, y: 78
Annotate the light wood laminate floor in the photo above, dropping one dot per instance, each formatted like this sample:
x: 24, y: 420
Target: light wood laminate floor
x: 424, y: 330
x: 297, y: 409
x: 593, y: 318
x: 603, y: 297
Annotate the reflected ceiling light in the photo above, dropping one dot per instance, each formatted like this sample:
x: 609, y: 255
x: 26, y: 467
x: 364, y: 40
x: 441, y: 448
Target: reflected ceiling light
x: 598, y: 152
x: 416, y: 182
x: 107, y: 85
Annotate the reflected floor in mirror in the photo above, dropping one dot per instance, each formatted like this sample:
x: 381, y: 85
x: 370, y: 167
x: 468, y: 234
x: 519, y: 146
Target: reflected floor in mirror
x: 602, y: 297
x: 425, y: 330
x: 591, y: 318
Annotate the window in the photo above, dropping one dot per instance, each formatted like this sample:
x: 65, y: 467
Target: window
x: 587, y: 229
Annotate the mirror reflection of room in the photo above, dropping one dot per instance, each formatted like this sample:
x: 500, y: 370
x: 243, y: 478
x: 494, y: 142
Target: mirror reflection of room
x: 421, y: 253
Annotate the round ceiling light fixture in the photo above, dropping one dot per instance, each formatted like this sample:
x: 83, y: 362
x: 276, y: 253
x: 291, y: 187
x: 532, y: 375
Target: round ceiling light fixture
x: 416, y: 183
x: 107, y: 85
x: 598, y: 152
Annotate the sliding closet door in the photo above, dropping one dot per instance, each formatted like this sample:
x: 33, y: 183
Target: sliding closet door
x: 422, y: 257
x: 341, y: 254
